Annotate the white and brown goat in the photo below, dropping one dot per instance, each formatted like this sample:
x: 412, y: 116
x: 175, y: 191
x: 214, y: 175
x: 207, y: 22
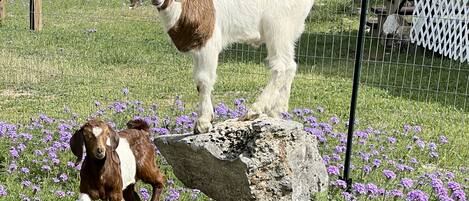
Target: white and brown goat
x: 115, y: 161
x: 204, y: 27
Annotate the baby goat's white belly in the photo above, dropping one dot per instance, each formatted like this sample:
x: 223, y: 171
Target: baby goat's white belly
x: 128, y: 163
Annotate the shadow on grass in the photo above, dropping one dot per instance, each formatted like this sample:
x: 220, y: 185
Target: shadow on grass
x: 402, y: 69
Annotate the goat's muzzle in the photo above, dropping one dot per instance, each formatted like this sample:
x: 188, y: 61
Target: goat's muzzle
x: 100, y: 153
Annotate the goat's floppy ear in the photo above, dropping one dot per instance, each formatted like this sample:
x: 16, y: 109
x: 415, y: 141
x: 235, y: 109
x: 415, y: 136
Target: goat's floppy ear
x: 76, y: 144
x: 114, y: 139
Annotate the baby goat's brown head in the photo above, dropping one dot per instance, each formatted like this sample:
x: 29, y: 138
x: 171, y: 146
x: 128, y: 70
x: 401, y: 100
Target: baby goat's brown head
x: 97, y: 137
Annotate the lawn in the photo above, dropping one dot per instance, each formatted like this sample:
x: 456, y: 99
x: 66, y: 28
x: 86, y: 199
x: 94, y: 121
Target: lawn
x: 89, y: 51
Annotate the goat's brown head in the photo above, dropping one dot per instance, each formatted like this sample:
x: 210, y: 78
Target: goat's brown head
x: 97, y: 136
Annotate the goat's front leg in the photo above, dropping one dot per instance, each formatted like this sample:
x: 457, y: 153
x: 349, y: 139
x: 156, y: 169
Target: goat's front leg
x: 205, y: 66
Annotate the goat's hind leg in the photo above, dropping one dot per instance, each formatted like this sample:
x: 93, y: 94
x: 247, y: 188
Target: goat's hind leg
x: 280, y: 42
x: 157, y: 183
x: 155, y: 178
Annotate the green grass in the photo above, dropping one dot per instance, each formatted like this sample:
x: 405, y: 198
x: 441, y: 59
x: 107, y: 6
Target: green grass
x: 67, y: 66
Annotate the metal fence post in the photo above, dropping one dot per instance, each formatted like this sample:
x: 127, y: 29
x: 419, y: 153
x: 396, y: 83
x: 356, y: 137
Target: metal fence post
x: 356, y: 84
x: 35, y: 15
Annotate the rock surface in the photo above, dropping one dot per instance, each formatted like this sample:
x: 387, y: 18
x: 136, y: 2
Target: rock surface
x: 266, y: 159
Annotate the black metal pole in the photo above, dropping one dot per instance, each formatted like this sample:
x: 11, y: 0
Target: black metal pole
x: 31, y: 14
x: 356, y: 84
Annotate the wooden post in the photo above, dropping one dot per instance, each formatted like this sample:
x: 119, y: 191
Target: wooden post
x: 2, y: 10
x: 35, y: 14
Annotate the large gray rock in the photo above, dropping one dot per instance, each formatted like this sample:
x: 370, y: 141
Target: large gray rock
x: 266, y: 159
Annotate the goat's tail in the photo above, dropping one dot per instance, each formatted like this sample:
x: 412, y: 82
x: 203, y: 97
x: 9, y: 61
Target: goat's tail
x: 138, y: 124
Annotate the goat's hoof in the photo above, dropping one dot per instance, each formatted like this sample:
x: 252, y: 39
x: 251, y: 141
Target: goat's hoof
x: 202, y: 126
x: 250, y: 116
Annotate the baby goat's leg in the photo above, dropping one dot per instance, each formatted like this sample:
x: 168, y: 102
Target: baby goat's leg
x: 130, y: 194
x: 205, y: 66
x: 154, y: 177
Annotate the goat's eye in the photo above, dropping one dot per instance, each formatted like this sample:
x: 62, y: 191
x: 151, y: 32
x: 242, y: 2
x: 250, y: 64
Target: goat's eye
x: 89, y: 137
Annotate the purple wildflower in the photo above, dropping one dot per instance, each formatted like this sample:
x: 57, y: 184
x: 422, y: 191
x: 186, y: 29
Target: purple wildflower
x: 443, y: 139
x: 3, y: 191
x: 366, y: 169
x: 179, y: 104
x: 145, y: 194
x: 420, y: 144
x: 36, y: 188
x: 376, y: 163
x: 45, y: 168
x: 194, y: 194
x: 406, y: 128
x: 392, y: 140
x: 45, y: 119
x: 334, y: 120
x: 14, y: 153
x: 454, y: 186
x: 417, y: 129
x: 450, y: 175
x: 56, y: 180
x: 459, y: 195
x: 396, y: 193
x: 60, y: 194
x: 361, y: 134
x: 326, y: 159
x: 320, y: 109
x: 445, y: 198
x: 437, y: 185
x: 432, y: 146
x: 406, y: 182
x: 389, y: 174
x: 26, y: 183
x: 347, y: 196
x: 119, y: 107
x: 12, y: 167
x: 359, y: 188
x: 125, y: 91
x: 333, y: 170
x: 340, y: 184
x: 172, y: 195
x: 417, y: 195
x: 372, y: 189
x: 339, y: 149
x: 25, y: 170
x: 63, y: 177
x: 286, y: 116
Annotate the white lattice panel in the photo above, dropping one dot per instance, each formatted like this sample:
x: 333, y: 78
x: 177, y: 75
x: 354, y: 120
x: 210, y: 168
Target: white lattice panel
x: 442, y: 26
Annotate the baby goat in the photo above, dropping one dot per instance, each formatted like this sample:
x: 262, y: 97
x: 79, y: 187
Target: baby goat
x: 115, y: 161
x: 204, y: 27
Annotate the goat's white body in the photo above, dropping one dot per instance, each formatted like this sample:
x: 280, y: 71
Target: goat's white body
x: 277, y: 23
x: 128, y: 164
